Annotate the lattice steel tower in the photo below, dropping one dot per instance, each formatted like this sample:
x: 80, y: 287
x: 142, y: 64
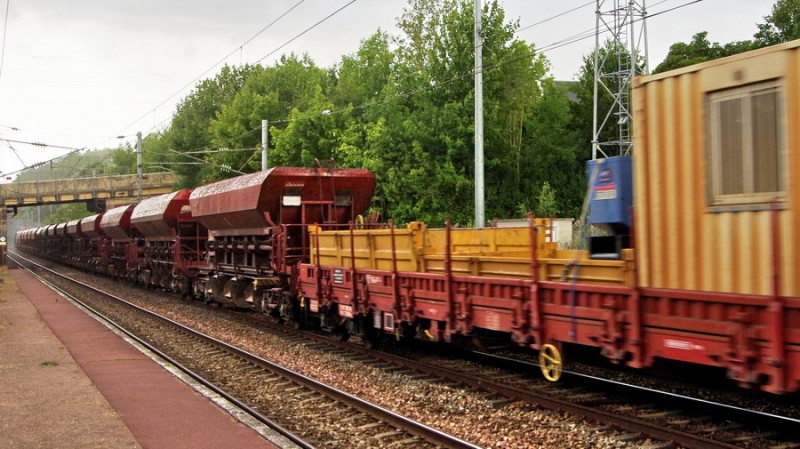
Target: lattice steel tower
x: 616, y: 62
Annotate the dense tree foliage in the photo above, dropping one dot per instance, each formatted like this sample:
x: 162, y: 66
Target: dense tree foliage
x: 189, y: 137
x: 402, y: 107
x: 66, y: 212
x: 700, y: 49
x: 782, y: 25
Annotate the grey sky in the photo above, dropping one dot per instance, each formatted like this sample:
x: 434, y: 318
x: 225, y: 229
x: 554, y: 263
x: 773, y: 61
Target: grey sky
x: 76, y: 73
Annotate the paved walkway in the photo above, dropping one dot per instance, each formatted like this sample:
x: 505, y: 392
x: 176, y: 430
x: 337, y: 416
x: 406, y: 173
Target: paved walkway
x: 68, y: 382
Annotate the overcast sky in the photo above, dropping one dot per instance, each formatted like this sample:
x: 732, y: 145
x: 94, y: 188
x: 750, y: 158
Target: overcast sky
x: 77, y: 73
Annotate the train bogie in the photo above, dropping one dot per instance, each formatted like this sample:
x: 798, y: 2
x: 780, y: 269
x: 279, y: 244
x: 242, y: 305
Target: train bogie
x: 96, y: 243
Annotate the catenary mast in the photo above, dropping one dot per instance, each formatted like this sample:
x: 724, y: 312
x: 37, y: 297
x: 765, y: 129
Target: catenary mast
x: 624, y: 22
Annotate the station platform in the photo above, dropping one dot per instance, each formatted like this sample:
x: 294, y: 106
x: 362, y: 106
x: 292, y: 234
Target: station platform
x: 67, y: 381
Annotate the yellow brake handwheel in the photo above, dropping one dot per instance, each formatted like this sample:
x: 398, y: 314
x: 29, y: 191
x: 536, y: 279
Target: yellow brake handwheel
x: 550, y: 362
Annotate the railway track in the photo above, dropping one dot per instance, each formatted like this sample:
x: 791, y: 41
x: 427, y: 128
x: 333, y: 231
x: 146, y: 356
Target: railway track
x: 641, y: 415
x: 308, y: 412
x: 644, y: 413
x: 667, y: 416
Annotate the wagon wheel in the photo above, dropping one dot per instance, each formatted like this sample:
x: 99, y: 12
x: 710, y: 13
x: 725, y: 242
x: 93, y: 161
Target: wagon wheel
x: 550, y: 362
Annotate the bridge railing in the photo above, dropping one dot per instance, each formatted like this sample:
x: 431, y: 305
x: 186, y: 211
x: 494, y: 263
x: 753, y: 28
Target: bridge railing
x: 121, y: 187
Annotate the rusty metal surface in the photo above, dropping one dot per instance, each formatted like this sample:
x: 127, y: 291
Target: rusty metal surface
x: 116, y: 223
x: 90, y: 226
x: 74, y: 229
x: 61, y: 231
x: 232, y: 203
x: 157, y: 216
x: 252, y: 201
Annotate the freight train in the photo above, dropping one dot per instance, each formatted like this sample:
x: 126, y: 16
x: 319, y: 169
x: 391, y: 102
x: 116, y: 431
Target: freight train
x: 699, y: 266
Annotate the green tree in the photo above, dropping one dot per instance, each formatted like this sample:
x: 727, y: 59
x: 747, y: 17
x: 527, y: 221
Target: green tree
x: 700, y: 49
x: 782, y: 25
x: 433, y: 169
x: 294, y: 83
x: 361, y: 78
x: 554, y: 154
x: 311, y: 135
x: 67, y: 212
x: 190, y: 130
x: 546, y: 204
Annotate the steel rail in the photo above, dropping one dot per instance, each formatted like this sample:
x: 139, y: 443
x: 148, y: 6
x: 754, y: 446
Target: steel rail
x: 620, y: 421
x: 422, y: 431
x: 110, y: 322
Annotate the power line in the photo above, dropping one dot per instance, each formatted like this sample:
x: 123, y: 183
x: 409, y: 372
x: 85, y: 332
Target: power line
x: 5, y: 32
x: 555, y: 45
x: 36, y: 165
x: 306, y: 30
x: 259, y: 60
x: 547, y: 48
x: 40, y: 144
x: 673, y: 9
x: 26, y: 130
x: 580, y: 36
x: 555, y: 16
x: 221, y: 166
x: 14, y: 150
x: 220, y: 61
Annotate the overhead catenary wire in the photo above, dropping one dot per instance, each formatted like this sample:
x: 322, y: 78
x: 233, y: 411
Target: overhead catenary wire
x: 5, y: 34
x: 36, y: 165
x: 586, y: 34
x: 40, y: 144
x: 329, y: 16
x: 672, y: 9
x: 545, y: 49
x: 220, y: 61
x: 556, y: 16
x: 550, y: 47
x: 14, y: 150
x: 306, y: 30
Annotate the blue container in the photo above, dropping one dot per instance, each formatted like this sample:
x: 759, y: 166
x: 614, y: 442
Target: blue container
x: 611, y: 189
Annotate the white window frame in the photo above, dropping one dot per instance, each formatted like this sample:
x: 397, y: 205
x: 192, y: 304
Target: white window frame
x: 748, y: 196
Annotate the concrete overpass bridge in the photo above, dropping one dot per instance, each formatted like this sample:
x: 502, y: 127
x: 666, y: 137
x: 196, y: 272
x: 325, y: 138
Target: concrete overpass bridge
x: 100, y: 192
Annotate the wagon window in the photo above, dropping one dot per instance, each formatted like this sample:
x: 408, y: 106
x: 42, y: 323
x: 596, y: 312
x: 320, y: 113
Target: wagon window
x: 342, y: 198
x: 746, y: 165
